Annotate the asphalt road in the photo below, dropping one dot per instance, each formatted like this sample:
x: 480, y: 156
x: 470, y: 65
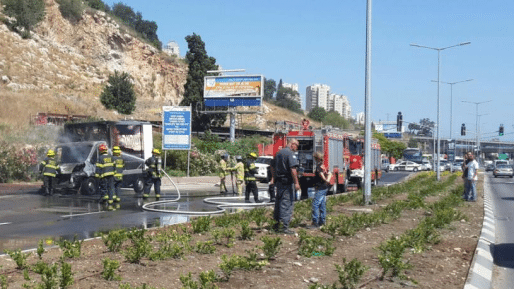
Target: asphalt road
x: 27, y: 217
x: 502, y: 191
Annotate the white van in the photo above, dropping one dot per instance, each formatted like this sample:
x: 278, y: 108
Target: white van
x: 385, y: 165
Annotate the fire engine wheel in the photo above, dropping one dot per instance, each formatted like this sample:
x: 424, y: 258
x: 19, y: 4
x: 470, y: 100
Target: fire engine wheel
x: 89, y: 186
x: 139, y: 185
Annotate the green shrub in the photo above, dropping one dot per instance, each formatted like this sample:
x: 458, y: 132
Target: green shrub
x: 201, y: 224
x: 110, y: 267
x: 351, y: 273
x: 71, y: 249
x: 119, y: 93
x: 140, y: 248
x: 27, y: 14
x: 19, y: 258
x: 71, y: 9
x: 271, y: 246
x: 16, y: 163
x: 114, y: 239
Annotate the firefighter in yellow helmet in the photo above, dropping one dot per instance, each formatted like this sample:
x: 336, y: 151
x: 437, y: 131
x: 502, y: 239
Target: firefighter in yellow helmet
x: 49, y: 168
x: 119, y: 166
x: 154, y: 165
x: 240, y: 174
x: 223, y: 173
x: 250, y: 181
x: 105, y: 174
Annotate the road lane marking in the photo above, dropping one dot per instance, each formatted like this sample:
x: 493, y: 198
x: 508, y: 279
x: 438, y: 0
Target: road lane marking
x: 7, y: 223
x: 83, y: 214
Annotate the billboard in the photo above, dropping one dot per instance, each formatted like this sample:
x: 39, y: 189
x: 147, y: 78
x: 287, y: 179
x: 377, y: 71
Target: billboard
x: 245, y: 86
x: 176, y: 128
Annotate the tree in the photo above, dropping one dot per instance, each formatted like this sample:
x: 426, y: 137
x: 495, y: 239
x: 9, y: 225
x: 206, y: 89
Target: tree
x: 98, y: 5
x: 270, y: 86
x: 413, y: 143
x: 27, y: 13
x: 317, y: 113
x: 391, y: 148
x: 71, y: 9
x: 199, y: 63
x: 279, y: 87
x: 119, y: 93
x: 334, y: 119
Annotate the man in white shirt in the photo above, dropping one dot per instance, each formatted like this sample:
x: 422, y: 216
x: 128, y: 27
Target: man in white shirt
x: 472, y: 179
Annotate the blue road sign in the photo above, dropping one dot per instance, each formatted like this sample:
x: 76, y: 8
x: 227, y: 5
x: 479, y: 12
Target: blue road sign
x: 176, y: 128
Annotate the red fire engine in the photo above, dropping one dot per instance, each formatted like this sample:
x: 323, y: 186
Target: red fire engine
x: 343, y: 155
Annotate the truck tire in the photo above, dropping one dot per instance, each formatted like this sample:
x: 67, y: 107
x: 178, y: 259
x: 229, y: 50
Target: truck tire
x: 343, y: 187
x: 139, y: 185
x: 89, y: 186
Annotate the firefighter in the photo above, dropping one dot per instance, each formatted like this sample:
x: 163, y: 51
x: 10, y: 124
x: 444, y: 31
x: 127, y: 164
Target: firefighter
x: 119, y: 166
x: 105, y: 174
x: 223, y: 173
x: 250, y: 181
x: 154, y: 164
x: 49, y: 168
x: 240, y: 174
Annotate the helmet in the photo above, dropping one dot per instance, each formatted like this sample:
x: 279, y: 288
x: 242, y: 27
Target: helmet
x: 50, y: 153
x: 252, y: 155
x: 239, y: 158
x: 156, y: 151
x: 102, y: 148
x: 116, y: 150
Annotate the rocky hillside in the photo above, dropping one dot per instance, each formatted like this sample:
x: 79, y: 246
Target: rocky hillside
x: 64, y: 66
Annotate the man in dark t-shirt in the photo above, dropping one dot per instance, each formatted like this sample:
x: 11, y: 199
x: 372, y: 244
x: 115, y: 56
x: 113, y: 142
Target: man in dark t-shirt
x: 286, y: 182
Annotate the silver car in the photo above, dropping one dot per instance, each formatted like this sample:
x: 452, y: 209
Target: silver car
x: 503, y: 171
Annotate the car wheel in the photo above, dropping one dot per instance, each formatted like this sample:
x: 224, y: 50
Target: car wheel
x: 139, y: 185
x: 395, y: 169
x: 89, y: 187
x: 415, y: 169
x: 495, y: 176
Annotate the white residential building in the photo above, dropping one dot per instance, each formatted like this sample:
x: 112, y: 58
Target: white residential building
x: 294, y: 87
x: 172, y: 48
x: 360, y: 119
x: 317, y: 95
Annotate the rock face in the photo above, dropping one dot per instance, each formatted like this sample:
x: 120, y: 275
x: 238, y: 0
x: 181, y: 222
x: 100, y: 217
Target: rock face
x: 77, y: 59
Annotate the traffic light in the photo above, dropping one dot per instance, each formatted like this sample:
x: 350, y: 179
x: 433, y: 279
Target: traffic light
x: 399, y: 120
x: 463, y: 129
x: 501, y: 130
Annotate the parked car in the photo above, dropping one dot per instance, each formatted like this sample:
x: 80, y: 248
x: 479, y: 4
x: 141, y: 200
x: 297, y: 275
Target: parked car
x: 394, y: 167
x: 408, y: 166
x: 489, y: 167
x: 503, y: 171
x: 385, y: 165
x: 262, y: 163
x: 426, y: 165
x: 443, y: 165
x: 457, y: 166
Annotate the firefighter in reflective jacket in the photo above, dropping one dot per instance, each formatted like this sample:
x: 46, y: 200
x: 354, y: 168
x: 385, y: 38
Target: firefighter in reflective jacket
x: 154, y: 164
x: 105, y: 174
x: 239, y: 168
x: 119, y: 166
x: 49, y: 168
x: 250, y: 181
x: 223, y: 173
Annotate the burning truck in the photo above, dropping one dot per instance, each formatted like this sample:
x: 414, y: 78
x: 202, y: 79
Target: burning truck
x: 77, y: 153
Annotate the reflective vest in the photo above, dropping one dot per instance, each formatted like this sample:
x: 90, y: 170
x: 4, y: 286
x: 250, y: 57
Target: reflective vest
x: 250, y: 170
x: 104, y: 166
x: 49, y: 167
x: 154, y: 166
x: 119, y: 166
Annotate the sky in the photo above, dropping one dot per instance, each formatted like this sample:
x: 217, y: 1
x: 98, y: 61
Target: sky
x: 308, y: 42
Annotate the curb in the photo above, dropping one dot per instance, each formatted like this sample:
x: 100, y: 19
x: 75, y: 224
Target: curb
x: 481, y: 270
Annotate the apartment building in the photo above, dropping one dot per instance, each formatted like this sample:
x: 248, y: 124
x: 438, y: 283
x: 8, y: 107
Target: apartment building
x: 294, y: 87
x: 317, y: 95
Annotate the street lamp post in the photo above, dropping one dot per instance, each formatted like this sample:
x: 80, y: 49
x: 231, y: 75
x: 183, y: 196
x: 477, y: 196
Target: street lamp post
x: 438, y: 103
x: 476, y: 128
x: 451, y: 101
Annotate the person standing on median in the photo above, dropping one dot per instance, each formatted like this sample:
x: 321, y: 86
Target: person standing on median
x: 119, y: 167
x: 465, y: 175
x: 321, y: 184
x: 287, y: 184
x: 472, y: 178
x: 49, y: 168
